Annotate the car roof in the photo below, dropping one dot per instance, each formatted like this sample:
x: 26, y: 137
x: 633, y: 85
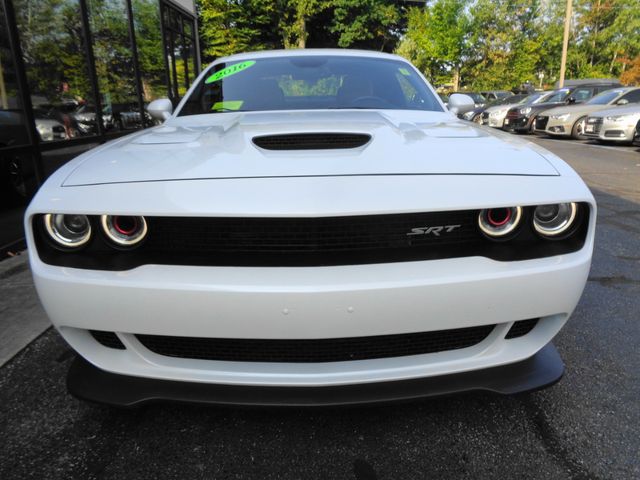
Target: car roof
x: 341, y: 52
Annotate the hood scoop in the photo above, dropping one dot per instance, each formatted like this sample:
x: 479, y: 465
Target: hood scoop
x: 311, y: 141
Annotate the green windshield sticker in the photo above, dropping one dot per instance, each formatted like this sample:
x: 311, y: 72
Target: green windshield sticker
x: 232, y: 70
x: 227, y: 105
x: 404, y: 71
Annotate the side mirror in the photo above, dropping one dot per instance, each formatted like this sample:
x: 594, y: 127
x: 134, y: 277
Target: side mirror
x: 459, y: 104
x: 160, y: 109
x: 571, y: 100
x: 622, y: 101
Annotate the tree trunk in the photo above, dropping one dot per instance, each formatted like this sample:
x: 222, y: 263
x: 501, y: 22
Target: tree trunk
x: 302, y: 32
x: 456, y: 79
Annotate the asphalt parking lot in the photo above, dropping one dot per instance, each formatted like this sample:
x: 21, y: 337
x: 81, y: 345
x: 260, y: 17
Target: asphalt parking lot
x: 587, y: 426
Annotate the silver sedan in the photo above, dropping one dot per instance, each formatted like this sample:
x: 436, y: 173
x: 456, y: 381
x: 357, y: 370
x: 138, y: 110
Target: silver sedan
x: 613, y: 125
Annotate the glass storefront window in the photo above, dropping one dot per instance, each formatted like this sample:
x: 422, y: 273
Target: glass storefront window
x: 114, y: 67
x: 180, y: 50
x: 146, y: 20
x: 17, y: 174
x: 51, y: 38
x: 12, y: 123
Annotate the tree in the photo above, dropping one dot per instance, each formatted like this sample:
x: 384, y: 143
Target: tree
x: 437, y: 39
x: 367, y: 23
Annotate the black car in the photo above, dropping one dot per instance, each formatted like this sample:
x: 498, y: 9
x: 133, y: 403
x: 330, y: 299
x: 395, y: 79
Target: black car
x: 520, y: 119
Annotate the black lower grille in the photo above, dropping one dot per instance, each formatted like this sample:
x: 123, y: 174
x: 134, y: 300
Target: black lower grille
x: 107, y: 339
x: 541, y: 122
x: 521, y: 328
x: 315, y: 351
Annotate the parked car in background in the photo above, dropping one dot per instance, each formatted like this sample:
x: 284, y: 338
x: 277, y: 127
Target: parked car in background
x: 48, y: 127
x: 493, y: 95
x: 475, y: 115
x: 521, y: 121
x: 569, y: 120
x: 617, y: 124
x: 478, y: 99
x: 496, y: 116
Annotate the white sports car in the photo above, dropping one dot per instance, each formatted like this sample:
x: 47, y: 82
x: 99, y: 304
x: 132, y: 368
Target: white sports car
x: 310, y: 228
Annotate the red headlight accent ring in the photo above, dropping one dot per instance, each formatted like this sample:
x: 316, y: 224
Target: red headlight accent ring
x: 124, y: 230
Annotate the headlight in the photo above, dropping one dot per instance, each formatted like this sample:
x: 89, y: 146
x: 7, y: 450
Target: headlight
x: 468, y: 115
x: 619, y: 118
x: 498, y: 223
x: 525, y: 111
x: 68, y: 231
x: 124, y: 230
x: 555, y: 219
x: 562, y: 117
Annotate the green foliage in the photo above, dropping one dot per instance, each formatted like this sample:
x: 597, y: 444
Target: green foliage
x: 232, y: 26
x: 496, y: 44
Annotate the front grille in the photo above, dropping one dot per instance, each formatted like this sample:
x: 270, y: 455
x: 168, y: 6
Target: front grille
x: 313, y: 241
x: 315, y: 351
x: 311, y: 141
x: 593, y: 126
x: 541, y: 122
x: 107, y: 339
x: 309, y: 242
x: 521, y: 328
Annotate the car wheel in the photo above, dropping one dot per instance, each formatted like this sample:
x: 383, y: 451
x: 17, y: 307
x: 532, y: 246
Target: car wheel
x: 578, y: 128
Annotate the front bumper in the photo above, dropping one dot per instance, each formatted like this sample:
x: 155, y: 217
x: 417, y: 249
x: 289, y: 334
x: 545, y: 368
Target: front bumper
x: 605, y: 130
x: 92, y: 384
x: 313, y: 303
x: 520, y: 123
x: 559, y: 128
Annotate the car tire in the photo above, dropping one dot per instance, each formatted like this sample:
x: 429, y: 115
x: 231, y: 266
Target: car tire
x: 578, y: 127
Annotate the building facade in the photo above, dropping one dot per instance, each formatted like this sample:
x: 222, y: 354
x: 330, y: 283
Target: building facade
x: 77, y: 73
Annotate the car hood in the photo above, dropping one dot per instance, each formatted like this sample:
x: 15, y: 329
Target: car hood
x: 576, y: 110
x: 219, y: 146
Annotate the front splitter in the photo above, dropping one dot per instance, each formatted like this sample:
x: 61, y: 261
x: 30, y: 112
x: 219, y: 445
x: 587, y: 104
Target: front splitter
x: 87, y: 382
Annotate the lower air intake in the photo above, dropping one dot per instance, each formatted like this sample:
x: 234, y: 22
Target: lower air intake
x: 107, y: 339
x: 521, y: 328
x: 312, y: 350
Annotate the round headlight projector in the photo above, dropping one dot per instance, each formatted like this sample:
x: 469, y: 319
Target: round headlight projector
x: 124, y: 230
x: 499, y: 222
x: 554, y: 220
x: 68, y: 231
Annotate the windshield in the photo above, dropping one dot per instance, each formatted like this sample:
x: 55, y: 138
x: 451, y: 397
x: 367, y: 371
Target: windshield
x: 510, y: 100
x: 605, y: 97
x: 558, y: 96
x: 310, y: 83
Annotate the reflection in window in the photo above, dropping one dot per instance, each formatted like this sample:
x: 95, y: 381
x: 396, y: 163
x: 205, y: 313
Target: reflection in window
x: 146, y: 18
x: 12, y: 126
x: 114, y: 67
x: 51, y: 40
x: 180, y: 51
